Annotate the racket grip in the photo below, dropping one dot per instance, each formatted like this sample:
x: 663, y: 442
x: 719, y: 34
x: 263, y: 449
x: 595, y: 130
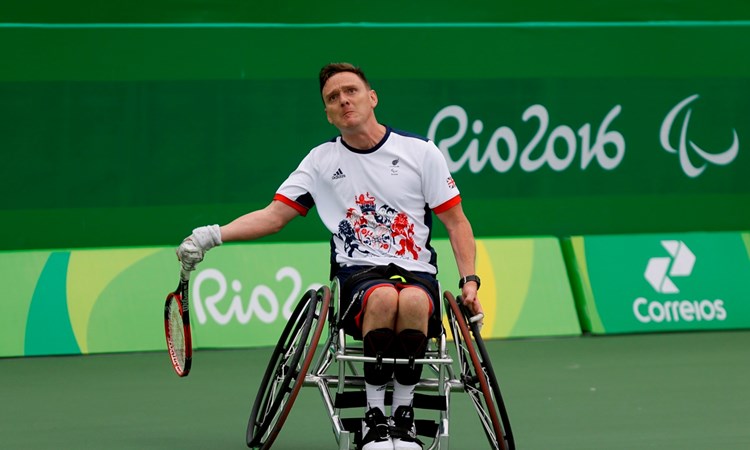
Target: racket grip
x: 184, y: 275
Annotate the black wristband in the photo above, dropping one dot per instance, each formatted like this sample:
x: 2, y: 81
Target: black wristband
x: 473, y: 278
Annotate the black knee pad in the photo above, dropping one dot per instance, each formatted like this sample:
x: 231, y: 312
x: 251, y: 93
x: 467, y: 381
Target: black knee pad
x: 412, y: 344
x: 379, y: 343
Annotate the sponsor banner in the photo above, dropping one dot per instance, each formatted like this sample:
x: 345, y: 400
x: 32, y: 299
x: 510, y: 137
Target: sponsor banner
x: 111, y: 300
x: 532, y: 147
x: 521, y: 138
x: 677, y: 282
x: 680, y: 135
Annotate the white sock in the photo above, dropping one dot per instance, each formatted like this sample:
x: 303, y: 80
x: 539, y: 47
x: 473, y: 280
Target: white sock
x: 402, y: 395
x: 375, y: 396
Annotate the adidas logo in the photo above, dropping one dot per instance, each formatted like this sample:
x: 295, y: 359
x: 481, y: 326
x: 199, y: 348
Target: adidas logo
x: 339, y: 174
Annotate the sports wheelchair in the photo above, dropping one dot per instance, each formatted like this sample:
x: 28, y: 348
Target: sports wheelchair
x: 295, y: 363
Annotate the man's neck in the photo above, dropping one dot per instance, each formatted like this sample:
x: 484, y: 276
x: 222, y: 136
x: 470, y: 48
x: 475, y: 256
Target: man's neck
x: 366, y: 138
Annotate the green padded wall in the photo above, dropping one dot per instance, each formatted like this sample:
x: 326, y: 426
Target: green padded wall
x: 130, y: 126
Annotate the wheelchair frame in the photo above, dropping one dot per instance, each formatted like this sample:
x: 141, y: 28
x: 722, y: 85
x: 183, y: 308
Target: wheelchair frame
x: 294, y: 364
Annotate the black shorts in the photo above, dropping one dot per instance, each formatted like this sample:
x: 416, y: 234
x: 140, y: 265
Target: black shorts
x: 357, y: 281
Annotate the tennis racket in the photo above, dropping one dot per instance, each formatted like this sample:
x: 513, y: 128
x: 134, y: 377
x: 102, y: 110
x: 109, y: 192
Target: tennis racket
x: 177, y: 326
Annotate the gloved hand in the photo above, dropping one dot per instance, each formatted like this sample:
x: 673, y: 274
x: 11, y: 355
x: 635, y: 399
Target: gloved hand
x: 194, y: 247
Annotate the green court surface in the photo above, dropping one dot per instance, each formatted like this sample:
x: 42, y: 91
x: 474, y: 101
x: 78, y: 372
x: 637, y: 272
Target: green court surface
x: 660, y: 391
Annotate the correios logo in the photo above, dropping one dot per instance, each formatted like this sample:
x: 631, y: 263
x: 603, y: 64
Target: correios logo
x: 678, y: 264
x: 721, y: 158
x: 660, y: 273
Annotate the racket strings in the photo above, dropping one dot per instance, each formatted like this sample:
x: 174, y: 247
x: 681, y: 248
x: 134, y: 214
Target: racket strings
x: 176, y: 332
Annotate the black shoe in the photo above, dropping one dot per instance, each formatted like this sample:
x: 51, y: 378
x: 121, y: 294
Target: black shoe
x: 375, y: 431
x: 403, y: 432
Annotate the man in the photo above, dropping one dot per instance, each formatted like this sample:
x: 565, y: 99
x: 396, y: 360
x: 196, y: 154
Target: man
x: 376, y: 190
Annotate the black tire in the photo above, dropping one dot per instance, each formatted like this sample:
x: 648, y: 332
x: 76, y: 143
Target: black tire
x: 478, y: 377
x: 287, y: 368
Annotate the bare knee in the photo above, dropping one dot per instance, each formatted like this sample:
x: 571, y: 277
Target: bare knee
x: 381, y: 309
x: 413, y: 309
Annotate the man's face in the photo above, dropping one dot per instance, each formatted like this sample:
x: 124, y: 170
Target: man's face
x: 349, y: 102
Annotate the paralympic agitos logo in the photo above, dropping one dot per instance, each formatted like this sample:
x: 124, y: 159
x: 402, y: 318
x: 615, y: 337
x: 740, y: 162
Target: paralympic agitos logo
x: 722, y: 158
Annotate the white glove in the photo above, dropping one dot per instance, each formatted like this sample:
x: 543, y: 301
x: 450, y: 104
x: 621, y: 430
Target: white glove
x: 194, y: 247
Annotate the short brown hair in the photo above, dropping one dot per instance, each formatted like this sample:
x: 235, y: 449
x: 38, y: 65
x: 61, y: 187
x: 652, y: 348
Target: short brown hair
x: 332, y: 69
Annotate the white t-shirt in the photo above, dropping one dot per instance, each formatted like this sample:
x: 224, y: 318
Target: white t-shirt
x: 377, y: 202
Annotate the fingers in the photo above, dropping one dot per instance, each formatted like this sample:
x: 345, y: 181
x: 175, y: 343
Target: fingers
x: 188, y: 266
x: 195, y: 246
x: 471, y: 301
x: 189, y: 254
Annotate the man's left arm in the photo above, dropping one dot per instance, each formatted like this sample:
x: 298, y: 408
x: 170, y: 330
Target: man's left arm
x: 464, y: 249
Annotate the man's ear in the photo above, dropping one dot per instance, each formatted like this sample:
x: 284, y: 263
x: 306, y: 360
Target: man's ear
x: 373, y: 98
x: 328, y: 116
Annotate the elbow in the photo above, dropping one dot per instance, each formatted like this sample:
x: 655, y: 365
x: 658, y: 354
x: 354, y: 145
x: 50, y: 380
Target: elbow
x: 275, y: 226
x: 275, y: 223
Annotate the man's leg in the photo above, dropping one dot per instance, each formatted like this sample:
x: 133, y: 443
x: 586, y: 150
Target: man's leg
x: 380, y: 307
x: 414, y: 309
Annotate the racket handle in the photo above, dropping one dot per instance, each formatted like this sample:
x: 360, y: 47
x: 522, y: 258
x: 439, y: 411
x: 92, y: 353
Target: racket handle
x: 184, y: 275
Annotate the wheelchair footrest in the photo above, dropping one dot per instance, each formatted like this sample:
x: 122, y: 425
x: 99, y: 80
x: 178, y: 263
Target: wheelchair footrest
x: 435, y: 402
x: 352, y: 424
x: 358, y: 399
x: 425, y: 427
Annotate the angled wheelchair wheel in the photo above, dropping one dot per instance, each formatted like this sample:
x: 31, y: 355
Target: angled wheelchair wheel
x: 478, y: 377
x: 287, y: 368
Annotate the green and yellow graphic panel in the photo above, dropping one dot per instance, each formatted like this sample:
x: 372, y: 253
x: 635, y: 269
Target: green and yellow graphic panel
x: 111, y: 300
x: 525, y: 290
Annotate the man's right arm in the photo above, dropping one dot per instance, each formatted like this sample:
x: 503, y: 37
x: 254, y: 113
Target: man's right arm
x: 257, y: 224
x: 250, y: 226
